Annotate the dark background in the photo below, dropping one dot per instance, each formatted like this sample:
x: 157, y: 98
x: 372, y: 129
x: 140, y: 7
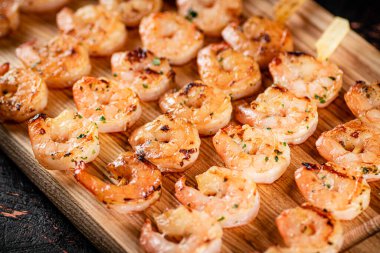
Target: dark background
x: 44, y: 229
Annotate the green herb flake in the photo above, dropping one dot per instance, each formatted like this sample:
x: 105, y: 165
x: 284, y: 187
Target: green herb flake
x: 191, y: 14
x: 235, y: 206
x: 365, y: 170
x: 115, y: 74
x: 81, y: 136
x: 221, y: 218
x: 97, y: 109
x: 245, y: 145
x: 266, y: 159
x: 284, y: 143
x: 290, y: 132
x: 268, y: 128
x: 220, y: 59
x: 156, y: 61
x: 276, y: 158
x: 102, y: 119
x: 145, y: 86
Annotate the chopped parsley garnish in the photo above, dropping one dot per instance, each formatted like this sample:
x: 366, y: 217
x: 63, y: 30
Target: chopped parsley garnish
x: 276, y: 158
x: 81, y: 136
x: 221, y: 218
x: 245, y: 145
x: 235, y: 205
x: 284, y: 143
x: 145, y: 86
x: 102, y: 119
x: 115, y: 74
x: 266, y: 159
x: 191, y: 14
x: 220, y: 59
x: 156, y: 61
x: 321, y: 99
x: 97, y: 109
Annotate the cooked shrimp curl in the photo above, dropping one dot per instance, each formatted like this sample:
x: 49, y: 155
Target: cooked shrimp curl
x: 41, y: 6
x: 112, y: 107
x: 308, y: 229
x: 61, y: 62
x: 9, y: 16
x: 169, y: 35
x: 255, y: 152
x: 196, y: 231
x: 23, y: 94
x: 231, y: 71
x: 279, y: 111
x: 172, y: 144
x: 208, y: 108
x: 224, y: 194
x: 210, y: 16
x: 353, y: 145
x: 99, y: 29
x: 139, y: 183
x: 59, y: 143
x: 259, y: 37
x: 364, y: 102
x: 148, y: 75
x: 333, y: 188
x: 132, y: 11
x: 304, y: 75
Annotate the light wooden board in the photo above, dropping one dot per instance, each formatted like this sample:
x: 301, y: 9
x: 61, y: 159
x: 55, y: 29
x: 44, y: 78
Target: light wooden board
x: 110, y: 231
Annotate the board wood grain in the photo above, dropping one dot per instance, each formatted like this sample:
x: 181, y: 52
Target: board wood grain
x: 114, y: 232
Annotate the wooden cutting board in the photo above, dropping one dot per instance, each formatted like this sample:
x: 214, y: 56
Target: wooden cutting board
x: 110, y: 231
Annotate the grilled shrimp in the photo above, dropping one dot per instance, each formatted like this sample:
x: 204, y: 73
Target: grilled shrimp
x: 139, y: 183
x: 40, y: 6
x: 170, y: 35
x: 60, y: 63
x: 260, y: 38
x: 172, y: 144
x: 308, y: 229
x: 331, y: 187
x: 9, y: 16
x: 58, y: 143
x: 354, y: 146
x: 304, y: 75
x: 254, y: 151
x: 132, y: 11
x: 148, y: 75
x: 224, y: 194
x: 99, y: 29
x: 364, y: 102
x: 292, y: 119
x: 112, y: 107
x: 195, y: 232
x: 210, y: 16
x: 208, y: 108
x: 231, y: 71
x: 23, y: 94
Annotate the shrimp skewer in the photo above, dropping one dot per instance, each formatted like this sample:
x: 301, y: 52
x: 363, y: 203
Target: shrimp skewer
x: 331, y: 187
x: 205, y: 236
x: 304, y: 75
x: 308, y: 229
x: 277, y: 110
x: 9, y: 17
x: 99, y: 29
x: 256, y: 152
x: 148, y: 75
x: 231, y: 71
x: 210, y: 16
x: 224, y: 194
x: 353, y: 145
x: 172, y: 144
x: 132, y: 11
x: 60, y: 63
x: 364, y: 102
x: 23, y: 94
x: 260, y: 38
x: 105, y: 102
x: 59, y: 143
x: 139, y: 183
x: 208, y: 108
x: 170, y: 35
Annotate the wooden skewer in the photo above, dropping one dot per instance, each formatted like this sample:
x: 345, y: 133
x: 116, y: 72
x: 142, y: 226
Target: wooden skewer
x: 285, y: 8
x: 332, y: 37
